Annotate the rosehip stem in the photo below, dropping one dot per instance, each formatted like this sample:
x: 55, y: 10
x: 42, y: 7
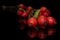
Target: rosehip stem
x: 31, y: 13
x: 21, y: 9
x: 36, y: 14
x: 36, y: 28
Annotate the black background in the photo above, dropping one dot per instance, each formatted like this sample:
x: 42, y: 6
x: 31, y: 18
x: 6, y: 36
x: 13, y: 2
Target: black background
x: 8, y: 19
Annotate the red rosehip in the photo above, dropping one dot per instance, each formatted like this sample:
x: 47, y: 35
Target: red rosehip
x: 51, y: 31
x: 32, y: 33
x: 51, y: 20
x: 21, y: 5
x: 42, y: 35
x: 42, y: 20
x: 25, y: 14
x: 19, y: 12
x: 43, y: 9
x: 32, y: 22
x: 46, y: 13
x: 29, y: 8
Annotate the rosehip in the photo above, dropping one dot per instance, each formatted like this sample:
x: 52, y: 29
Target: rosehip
x: 21, y: 5
x: 46, y: 13
x: 42, y: 20
x: 19, y: 12
x: 51, y: 31
x: 32, y: 22
x: 29, y: 8
x: 32, y: 34
x: 25, y: 14
x: 51, y: 20
x: 43, y: 9
x: 42, y: 35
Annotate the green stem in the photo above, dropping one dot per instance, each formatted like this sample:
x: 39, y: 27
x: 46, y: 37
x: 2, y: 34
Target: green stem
x: 36, y: 28
x: 36, y: 14
x: 31, y: 13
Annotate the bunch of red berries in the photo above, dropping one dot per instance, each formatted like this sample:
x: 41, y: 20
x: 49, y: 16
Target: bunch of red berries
x: 38, y: 20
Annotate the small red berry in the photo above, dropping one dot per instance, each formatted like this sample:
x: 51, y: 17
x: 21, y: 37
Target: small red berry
x: 19, y: 12
x: 32, y: 21
x: 29, y: 8
x: 21, y: 5
x: 42, y: 20
x: 51, y: 20
x: 25, y: 14
x: 46, y: 13
x: 43, y: 9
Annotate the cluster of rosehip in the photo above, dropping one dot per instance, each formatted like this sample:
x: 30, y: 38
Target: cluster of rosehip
x: 38, y: 20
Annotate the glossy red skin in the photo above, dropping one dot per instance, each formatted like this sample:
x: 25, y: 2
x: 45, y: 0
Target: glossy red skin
x: 32, y: 34
x: 51, y: 31
x: 29, y: 8
x: 42, y: 19
x: 21, y: 5
x: 32, y: 21
x: 43, y: 9
x: 51, y: 20
x: 46, y: 13
x: 19, y: 12
x: 25, y: 14
x: 41, y: 35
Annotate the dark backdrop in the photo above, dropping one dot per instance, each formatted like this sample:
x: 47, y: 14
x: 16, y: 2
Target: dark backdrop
x: 8, y: 19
